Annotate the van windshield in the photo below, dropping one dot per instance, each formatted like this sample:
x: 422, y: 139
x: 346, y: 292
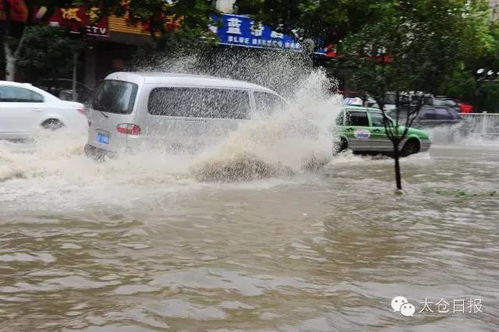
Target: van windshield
x: 115, y: 97
x: 200, y: 103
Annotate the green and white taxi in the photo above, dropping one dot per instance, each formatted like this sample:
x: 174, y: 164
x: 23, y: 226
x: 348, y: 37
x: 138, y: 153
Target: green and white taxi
x: 361, y: 130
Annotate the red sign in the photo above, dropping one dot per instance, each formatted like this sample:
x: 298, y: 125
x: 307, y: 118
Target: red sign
x: 83, y: 19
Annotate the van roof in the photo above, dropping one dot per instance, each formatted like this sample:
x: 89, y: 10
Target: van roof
x: 180, y: 79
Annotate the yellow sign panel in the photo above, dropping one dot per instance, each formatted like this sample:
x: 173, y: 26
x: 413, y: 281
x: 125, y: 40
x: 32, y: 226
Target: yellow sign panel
x: 121, y: 24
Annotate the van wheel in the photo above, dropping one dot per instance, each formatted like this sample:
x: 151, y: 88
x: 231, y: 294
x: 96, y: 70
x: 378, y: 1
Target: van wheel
x: 52, y: 124
x: 340, y: 146
x: 410, y: 147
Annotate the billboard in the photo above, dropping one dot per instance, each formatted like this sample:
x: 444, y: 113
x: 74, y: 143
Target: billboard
x: 81, y: 19
x: 240, y: 30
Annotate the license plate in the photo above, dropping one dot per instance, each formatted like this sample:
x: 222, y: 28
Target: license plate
x: 102, y: 138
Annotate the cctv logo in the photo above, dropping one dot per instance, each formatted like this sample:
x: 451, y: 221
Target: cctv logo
x: 400, y: 304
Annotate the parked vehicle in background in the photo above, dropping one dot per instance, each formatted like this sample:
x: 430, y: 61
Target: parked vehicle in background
x: 362, y: 129
x: 25, y: 108
x: 456, y: 105
x: 445, y: 101
x: 63, y: 88
x: 433, y: 116
x: 405, y: 98
x: 180, y: 112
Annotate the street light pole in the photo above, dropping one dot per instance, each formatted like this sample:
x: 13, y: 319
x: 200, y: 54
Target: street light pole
x: 482, y: 75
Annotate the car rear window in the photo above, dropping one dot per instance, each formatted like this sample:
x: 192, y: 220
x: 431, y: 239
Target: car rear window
x: 200, y: 103
x: 115, y: 96
x: 20, y: 95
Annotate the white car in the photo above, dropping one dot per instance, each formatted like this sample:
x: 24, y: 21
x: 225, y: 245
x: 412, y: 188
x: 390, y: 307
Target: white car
x: 25, y: 109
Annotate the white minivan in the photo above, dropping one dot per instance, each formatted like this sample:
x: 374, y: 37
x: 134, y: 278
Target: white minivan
x: 132, y: 111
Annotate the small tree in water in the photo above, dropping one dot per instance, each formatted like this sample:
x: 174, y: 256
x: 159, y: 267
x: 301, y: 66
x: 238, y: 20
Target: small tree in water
x: 397, y: 133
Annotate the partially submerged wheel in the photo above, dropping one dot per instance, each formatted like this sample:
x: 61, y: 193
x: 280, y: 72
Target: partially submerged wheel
x: 410, y: 147
x: 340, y: 145
x: 52, y: 124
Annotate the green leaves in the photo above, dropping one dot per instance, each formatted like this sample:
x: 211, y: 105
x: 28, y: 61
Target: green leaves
x: 424, y: 40
x: 46, y: 52
x: 326, y: 20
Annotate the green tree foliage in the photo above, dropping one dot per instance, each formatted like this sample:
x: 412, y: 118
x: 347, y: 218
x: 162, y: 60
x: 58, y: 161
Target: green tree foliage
x: 12, y: 32
x: 415, y: 45
x: 461, y: 83
x: 326, y: 20
x: 457, y: 39
x: 47, y: 52
x: 424, y: 38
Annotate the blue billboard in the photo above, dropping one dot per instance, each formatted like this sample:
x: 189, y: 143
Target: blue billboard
x: 239, y: 30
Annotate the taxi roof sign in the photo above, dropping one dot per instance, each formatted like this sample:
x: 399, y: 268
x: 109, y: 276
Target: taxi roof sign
x: 356, y: 101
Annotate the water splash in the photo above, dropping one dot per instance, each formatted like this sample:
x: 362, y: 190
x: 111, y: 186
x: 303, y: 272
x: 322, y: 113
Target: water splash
x: 460, y: 135
x: 287, y: 142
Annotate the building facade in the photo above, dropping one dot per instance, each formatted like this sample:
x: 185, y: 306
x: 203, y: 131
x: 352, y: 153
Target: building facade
x: 111, y: 41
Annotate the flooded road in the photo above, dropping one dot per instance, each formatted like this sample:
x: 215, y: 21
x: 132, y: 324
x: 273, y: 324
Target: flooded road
x: 125, y: 246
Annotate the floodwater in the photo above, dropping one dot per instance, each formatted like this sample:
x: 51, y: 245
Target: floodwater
x: 152, y: 242
x: 108, y: 247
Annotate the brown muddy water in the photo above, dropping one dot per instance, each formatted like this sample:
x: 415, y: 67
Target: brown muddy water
x: 129, y: 246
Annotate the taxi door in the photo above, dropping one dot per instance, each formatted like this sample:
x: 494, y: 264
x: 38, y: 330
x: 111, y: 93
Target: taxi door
x: 357, y: 130
x: 379, y: 140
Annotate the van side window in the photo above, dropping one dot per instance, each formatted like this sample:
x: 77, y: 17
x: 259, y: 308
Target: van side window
x: 267, y: 103
x: 357, y: 118
x: 200, y: 103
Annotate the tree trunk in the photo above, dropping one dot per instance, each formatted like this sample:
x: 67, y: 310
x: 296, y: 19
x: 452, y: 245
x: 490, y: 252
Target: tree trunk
x: 10, y: 62
x: 11, y: 57
x: 396, y: 157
